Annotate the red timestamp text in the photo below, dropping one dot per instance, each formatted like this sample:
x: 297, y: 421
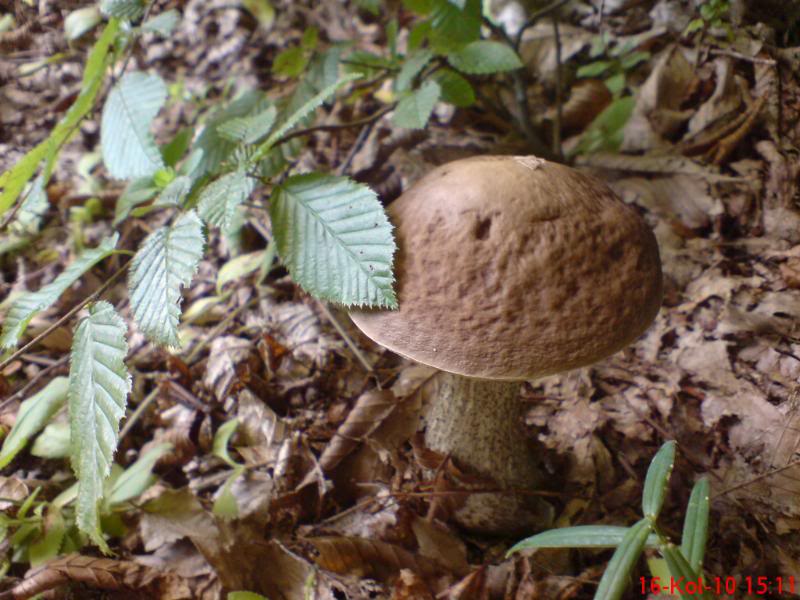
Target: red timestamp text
x: 753, y: 585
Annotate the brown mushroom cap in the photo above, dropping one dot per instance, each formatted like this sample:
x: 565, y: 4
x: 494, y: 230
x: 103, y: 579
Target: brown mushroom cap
x: 513, y: 267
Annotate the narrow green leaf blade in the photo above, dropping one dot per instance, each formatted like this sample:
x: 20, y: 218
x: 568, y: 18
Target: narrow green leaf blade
x: 24, y: 308
x: 695, y: 525
x: 680, y: 570
x: 484, y: 57
x: 34, y: 413
x: 99, y: 384
x: 617, y: 575
x: 13, y: 181
x: 220, y: 199
x: 137, y: 478
x: 166, y: 261
x: 414, y: 110
x: 580, y: 536
x: 335, y: 239
x: 657, y: 480
x: 129, y: 149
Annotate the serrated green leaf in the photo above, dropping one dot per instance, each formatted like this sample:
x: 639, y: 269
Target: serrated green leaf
x: 484, y: 57
x: 162, y: 24
x: 214, y: 147
x: 594, y: 69
x: 695, y: 525
x: 414, y: 110
x: 28, y: 218
x: 136, y: 192
x: 290, y: 62
x: 14, y: 180
x: 657, y: 480
x: 129, y: 10
x: 34, y: 413
x: 335, y: 239
x: 581, y: 536
x: 166, y: 261
x: 220, y: 199
x: 25, y: 307
x: 99, y: 384
x: 412, y: 66
x: 137, y: 478
x: 129, y: 149
x: 53, y: 442
x: 239, y: 267
x: 301, y: 113
x: 452, y: 28
x: 175, y: 191
x: 455, y: 89
x: 617, y: 575
x: 248, y: 129
x: 607, y: 130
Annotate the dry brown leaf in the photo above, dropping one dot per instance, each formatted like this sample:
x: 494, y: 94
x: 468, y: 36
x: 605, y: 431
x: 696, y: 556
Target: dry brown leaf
x: 409, y: 586
x: 12, y: 491
x: 224, y: 354
x: 724, y: 101
x: 472, y: 587
x: 369, y: 558
x: 440, y: 545
x: 99, y: 573
x: 587, y: 99
x: 172, y: 515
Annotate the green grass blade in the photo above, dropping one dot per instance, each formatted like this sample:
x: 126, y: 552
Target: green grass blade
x: 657, y: 480
x: 581, y: 536
x: 682, y: 573
x: 618, y: 572
x: 695, y: 525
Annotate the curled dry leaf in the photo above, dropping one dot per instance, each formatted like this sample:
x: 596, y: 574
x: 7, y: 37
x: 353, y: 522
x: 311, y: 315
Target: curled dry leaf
x: 371, y: 409
x: 369, y: 558
x: 98, y: 573
x: 12, y: 490
x: 587, y: 99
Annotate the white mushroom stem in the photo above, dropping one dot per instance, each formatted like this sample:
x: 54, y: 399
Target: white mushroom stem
x: 479, y: 424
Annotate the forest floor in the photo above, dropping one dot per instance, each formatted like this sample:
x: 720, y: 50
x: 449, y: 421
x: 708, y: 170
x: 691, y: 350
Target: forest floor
x: 708, y: 156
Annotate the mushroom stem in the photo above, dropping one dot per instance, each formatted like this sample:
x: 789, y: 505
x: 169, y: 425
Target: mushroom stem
x: 478, y: 422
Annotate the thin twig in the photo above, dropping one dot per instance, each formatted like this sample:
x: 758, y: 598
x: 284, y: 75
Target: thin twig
x: 557, y: 121
x: 136, y: 415
x: 335, y: 126
x: 72, y: 312
x: 362, y: 137
x: 24, y: 390
x: 346, y: 337
x: 553, y: 6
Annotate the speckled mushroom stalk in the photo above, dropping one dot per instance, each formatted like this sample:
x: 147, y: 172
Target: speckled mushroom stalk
x: 510, y: 268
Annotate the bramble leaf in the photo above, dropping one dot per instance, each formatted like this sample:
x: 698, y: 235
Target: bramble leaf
x: 335, y: 239
x: 166, y: 261
x: 414, y: 110
x: 220, y: 199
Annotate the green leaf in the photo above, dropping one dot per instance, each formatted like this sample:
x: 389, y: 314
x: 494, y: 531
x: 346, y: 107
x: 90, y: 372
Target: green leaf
x: 452, y: 27
x: 137, y: 478
x: 26, y: 306
x: 694, y: 25
x: 174, y: 192
x: 129, y: 149
x: 166, y: 261
x: 290, y: 62
x: 657, y: 480
x: 695, y: 525
x: 594, y: 69
x: 162, y: 24
x: 222, y: 438
x: 679, y: 569
x: 136, y: 192
x: 616, y: 83
x: 239, y: 267
x: 455, y: 89
x: 81, y: 21
x: 225, y: 504
x: 129, y: 10
x: 634, y: 58
x: 301, y: 113
x: 248, y: 129
x: 484, y: 57
x: 53, y: 442
x: 34, y: 413
x: 14, y: 180
x: 28, y: 218
x: 412, y: 66
x: 99, y: 384
x: 414, y: 110
x: 48, y: 546
x: 220, y: 199
x: 246, y: 595
x: 607, y: 130
x: 581, y: 536
x: 335, y: 239
x: 618, y: 572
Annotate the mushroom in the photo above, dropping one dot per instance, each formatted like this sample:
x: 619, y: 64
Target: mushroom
x: 510, y: 268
